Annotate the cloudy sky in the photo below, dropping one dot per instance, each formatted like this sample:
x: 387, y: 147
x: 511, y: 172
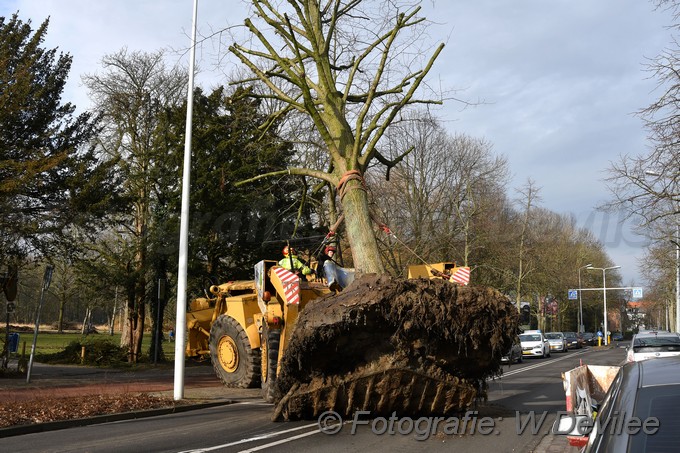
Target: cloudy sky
x: 559, y: 80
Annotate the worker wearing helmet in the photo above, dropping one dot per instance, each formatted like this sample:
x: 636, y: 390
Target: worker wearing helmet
x: 329, y: 251
x: 336, y: 277
x: 327, y: 255
x: 291, y: 262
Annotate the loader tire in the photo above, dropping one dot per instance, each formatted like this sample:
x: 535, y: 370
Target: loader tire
x: 236, y: 364
x: 270, y: 357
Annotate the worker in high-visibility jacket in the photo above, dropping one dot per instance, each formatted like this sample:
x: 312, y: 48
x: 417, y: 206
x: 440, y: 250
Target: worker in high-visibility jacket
x: 291, y: 262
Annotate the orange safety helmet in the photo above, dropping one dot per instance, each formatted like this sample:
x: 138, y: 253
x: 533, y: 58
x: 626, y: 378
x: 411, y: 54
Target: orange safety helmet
x: 329, y: 248
x: 287, y: 249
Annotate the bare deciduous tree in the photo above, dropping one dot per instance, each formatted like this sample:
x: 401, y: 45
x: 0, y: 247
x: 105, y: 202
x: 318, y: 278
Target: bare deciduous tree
x: 437, y: 194
x: 528, y: 199
x: 648, y: 185
x: 130, y: 94
x: 352, y: 67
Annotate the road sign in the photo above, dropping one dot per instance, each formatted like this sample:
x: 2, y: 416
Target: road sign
x: 573, y: 294
x: 11, y: 306
x: 637, y: 293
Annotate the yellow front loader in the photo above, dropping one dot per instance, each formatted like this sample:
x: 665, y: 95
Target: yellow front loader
x: 246, y: 325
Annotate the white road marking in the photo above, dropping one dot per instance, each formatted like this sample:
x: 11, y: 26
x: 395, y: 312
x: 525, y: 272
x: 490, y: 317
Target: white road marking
x: 282, y: 441
x: 261, y: 437
x: 540, y: 364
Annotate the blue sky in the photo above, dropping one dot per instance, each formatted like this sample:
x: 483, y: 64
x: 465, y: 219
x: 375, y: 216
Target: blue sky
x: 559, y: 80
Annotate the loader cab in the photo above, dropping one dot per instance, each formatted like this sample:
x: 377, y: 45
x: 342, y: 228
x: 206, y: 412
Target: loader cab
x: 262, y: 281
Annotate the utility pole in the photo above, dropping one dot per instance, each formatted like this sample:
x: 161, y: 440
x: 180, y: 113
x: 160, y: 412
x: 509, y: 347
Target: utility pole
x: 581, y: 329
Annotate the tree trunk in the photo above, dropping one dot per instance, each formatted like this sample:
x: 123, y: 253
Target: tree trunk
x: 125, y: 328
x: 128, y: 325
x: 85, y: 329
x: 138, y: 317
x: 112, y: 321
x: 137, y: 321
x: 360, y: 231
x: 60, y: 321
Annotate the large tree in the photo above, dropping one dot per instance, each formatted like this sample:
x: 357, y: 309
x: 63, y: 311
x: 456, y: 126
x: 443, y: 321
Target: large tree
x: 131, y: 94
x: 647, y: 185
x: 525, y: 265
x: 49, y: 176
x: 352, y: 67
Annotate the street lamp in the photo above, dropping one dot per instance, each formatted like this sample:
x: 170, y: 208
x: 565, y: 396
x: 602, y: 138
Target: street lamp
x: 580, y: 303
x: 677, y: 260
x: 180, y: 319
x: 604, y: 292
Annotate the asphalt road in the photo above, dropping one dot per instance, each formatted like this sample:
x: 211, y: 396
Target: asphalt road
x: 516, y: 418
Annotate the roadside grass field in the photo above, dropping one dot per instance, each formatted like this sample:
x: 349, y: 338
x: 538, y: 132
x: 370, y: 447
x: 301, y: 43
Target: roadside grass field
x: 50, y: 341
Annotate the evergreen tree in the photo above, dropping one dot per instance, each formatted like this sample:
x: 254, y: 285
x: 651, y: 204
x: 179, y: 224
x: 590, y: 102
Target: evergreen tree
x: 49, y: 177
x: 232, y: 228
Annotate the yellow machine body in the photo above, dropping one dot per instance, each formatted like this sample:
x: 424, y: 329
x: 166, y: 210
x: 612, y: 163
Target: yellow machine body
x: 245, y: 326
x: 254, y: 305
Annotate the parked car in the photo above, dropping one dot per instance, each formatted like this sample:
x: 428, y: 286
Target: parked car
x: 648, y: 390
x: 557, y: 341
x: 617, y: 336
x: 653, y: 331
x: 534, y: 344
x: 573, y: 341
x: 652, y: 345
x: 589, y: 338
x: 515, y: 352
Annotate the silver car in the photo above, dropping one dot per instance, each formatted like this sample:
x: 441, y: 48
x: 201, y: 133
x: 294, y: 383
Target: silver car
x: 557, y: 341
x: 649, y: 392
x: 652, y: 344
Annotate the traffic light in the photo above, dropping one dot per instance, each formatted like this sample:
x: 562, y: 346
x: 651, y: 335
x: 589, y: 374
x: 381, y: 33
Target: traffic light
x: 9, y: 284
x: 525, y: 314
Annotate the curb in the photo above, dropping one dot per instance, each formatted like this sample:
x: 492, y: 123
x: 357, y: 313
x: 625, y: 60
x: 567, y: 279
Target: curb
x: 107, y: 418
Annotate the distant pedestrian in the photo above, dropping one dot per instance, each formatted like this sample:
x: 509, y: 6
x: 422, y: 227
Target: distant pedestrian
x: 171, y: 334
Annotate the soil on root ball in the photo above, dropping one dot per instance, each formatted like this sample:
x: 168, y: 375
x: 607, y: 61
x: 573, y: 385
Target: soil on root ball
x: 385, y: 344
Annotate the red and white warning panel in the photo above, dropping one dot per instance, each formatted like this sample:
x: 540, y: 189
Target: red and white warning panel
x: 291, y: 285
x: 460, y: 275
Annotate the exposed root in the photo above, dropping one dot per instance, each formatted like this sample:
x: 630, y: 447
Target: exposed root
x: 388, y: 345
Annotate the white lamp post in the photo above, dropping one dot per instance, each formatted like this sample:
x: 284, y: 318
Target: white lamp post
x: 580, y: 303
x: 604, y: 292
x: 180, y: 321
